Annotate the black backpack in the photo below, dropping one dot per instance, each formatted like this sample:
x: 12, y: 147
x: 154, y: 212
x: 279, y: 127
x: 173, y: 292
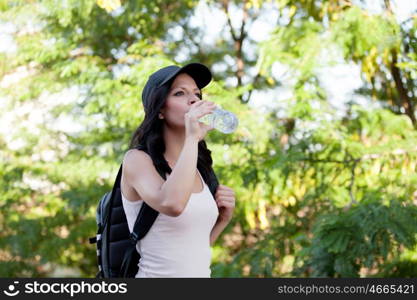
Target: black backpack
x: 116, y: 246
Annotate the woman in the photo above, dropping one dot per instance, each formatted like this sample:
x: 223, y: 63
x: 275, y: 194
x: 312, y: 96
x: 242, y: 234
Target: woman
x: 193, y: 208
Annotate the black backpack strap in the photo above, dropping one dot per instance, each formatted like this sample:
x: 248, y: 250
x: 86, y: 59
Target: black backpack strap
x: 115, y: 186
x: 117, y: 181
x: 144, y: 221
x: 146, y: 217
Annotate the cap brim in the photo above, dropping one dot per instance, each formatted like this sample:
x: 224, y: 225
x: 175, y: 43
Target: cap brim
x: 199, y: 72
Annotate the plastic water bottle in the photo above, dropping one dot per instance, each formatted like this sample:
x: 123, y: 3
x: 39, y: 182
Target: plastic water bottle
x: 222, y: 120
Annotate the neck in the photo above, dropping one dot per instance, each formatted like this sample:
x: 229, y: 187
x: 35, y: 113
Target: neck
x: 174, y: 142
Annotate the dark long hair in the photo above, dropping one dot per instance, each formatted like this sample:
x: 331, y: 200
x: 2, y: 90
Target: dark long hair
x: 149, y: 138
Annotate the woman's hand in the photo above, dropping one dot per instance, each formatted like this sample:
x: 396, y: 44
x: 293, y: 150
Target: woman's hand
x: 194, y: 128
x: 225, y: 199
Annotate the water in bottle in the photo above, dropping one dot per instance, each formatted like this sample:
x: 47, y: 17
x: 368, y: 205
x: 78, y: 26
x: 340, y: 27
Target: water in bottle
x: 222, y: 120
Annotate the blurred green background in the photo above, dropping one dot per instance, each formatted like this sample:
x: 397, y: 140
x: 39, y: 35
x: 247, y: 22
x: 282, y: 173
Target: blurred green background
x: 323, y: 162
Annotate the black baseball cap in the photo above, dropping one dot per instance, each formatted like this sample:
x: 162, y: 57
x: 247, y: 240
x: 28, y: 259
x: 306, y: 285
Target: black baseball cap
x: 199, y: 72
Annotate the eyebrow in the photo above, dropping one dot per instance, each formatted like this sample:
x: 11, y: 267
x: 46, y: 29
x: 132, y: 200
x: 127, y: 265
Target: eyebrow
x: 185, y: 88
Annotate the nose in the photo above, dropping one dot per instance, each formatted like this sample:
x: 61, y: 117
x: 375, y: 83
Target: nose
x: 193, y: 99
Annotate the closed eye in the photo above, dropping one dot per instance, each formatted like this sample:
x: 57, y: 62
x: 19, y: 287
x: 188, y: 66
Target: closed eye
x: 180, y: 93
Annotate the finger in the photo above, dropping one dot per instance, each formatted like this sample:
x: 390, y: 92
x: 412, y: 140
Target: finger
x: 206, y: 127
x: 202, y: 112
x: 207, y: 105
x: 208, y: 102
x: 202, y: 102
x: 196, y: 115
x: 226, y: 204
x: 198, y: 103
x: 201, y: 105
x: 223, y: 198
x: 225, y: 193
x: 224, y: 187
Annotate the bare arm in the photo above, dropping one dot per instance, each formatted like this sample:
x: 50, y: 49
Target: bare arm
x: 225, y: 200
x: 217, y: 230
x: 178, y: 187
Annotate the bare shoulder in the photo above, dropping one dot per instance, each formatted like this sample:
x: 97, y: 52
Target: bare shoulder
x: 141, y: 175
x: 133, y: 155
x: 134, y: 158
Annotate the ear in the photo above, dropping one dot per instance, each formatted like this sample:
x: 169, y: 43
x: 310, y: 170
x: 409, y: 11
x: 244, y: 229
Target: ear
x: 161, y: 113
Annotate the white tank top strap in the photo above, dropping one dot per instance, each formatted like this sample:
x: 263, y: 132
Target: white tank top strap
x: 200, y: 176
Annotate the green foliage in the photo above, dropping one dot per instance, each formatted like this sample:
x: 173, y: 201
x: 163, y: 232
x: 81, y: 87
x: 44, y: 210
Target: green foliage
x: 298, y: 46
x: 363, y: 236
x: 317, y: 194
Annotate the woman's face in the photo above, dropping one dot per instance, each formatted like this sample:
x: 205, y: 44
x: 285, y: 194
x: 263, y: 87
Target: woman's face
x: 182, y: 94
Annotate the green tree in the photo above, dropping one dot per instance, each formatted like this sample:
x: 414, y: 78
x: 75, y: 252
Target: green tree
x: 317, y: 194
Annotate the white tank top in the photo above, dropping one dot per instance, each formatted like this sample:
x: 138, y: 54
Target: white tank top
x: 177, y: 246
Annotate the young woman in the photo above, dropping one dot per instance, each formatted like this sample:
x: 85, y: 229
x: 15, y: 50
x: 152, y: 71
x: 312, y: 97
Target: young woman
x: 193, y: 208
